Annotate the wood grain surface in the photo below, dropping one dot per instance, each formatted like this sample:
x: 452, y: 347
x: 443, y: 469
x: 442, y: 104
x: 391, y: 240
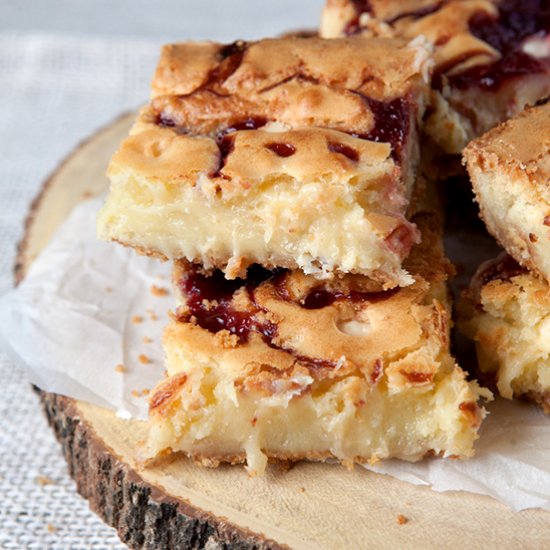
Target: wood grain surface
x: 181, y: 505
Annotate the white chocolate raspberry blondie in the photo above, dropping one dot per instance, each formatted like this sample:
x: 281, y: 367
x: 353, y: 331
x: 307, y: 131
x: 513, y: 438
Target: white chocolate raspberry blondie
x: 283, y: 366
x: 297, y: 153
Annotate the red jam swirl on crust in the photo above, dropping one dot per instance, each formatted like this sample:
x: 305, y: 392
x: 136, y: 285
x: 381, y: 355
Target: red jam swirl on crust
x: 209, y: 299
x: 210, y: 303
x: 391, y: 118
x: 517, y: 20
x: 502, y: 268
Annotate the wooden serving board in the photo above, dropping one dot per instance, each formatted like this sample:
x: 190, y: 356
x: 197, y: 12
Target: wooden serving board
x: 181, y: 505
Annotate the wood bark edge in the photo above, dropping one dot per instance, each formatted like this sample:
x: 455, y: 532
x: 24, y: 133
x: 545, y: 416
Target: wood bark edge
x: 142, y: 515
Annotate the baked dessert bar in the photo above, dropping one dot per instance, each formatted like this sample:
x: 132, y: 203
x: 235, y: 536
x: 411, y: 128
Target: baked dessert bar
x: 492, y: 56
x: 257, y: 152
x: 507, y: 312
x: 510, y: 172
x: 283, y: 366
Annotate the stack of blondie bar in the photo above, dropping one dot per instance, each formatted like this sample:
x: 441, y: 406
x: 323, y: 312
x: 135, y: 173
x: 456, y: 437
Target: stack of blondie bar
x: 283, y: 180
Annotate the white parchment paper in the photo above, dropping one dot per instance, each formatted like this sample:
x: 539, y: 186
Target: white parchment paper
x: 86, y: 307
x: 87, y: 320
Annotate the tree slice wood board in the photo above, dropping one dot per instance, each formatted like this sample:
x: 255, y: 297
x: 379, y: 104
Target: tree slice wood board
x: 181, y: 505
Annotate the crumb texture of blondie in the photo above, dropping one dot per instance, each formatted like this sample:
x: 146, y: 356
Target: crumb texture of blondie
x: 510, y: 172
x: 506, y: 311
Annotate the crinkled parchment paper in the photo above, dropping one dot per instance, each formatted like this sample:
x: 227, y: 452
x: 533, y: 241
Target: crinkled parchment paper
x: 87, y: 320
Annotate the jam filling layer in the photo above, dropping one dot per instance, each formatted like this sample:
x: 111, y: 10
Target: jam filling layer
x: 210, y: 305
x: 517, y: 21
x: 391, y: 125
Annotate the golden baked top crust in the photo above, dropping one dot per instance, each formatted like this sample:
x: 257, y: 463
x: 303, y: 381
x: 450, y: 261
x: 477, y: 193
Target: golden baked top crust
x: 243, y: 68
x: 477, y: 42
x: 227, y: 117
x: 500, y: 281
x: 518, y: 147
x: 244, y: 159
x: 296, y: 81
x: 291, y: 322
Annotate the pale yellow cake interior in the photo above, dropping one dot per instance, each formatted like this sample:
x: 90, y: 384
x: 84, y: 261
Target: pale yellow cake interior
x: 282, y: 214
x: 510, y: 172
x: 341, y: 418
x: 509, y: 320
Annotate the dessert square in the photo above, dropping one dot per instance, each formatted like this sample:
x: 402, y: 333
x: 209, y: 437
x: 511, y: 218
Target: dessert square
x: 297, y: 153
x: 510, y: 172
x: 506, y: 311
x: 492, y: 58
x: 283, y: 366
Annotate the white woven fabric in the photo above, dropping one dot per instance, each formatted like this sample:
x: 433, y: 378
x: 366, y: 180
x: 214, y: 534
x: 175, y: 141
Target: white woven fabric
x: 55, y: 90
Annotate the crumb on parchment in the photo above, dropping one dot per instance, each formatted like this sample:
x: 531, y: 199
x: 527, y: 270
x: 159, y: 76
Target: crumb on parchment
x: 152, y: 315
x: 121, y: 368
x: 158, y: 290
x: 401, y: 519
x: 137, y: 319
x: 140, y: 393
x: 144, y: 359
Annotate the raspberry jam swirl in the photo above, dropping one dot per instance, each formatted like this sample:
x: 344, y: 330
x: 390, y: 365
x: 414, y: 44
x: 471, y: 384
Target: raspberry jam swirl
x: 517, y: 21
